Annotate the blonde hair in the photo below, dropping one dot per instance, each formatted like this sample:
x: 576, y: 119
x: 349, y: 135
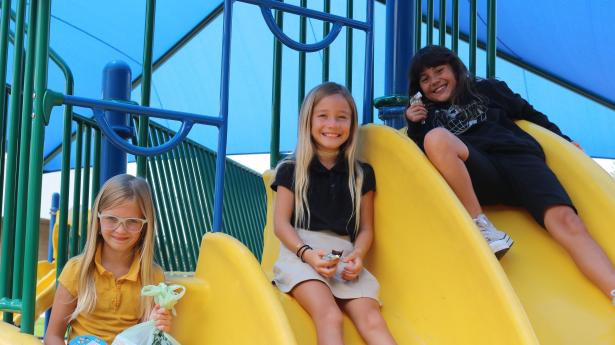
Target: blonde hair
x: 115, y: 192
x: 305, y: 151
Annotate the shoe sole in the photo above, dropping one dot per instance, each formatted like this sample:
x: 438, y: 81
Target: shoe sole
x: 500, y: 247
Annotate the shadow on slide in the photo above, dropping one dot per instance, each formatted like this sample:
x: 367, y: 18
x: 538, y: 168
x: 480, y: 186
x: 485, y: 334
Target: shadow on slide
x: 440, y: 283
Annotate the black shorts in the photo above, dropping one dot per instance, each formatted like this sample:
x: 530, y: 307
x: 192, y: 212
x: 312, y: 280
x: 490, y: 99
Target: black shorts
x: 516, y: 180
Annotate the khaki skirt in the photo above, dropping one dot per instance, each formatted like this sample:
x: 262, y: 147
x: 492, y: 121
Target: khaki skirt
x: 289, y: 271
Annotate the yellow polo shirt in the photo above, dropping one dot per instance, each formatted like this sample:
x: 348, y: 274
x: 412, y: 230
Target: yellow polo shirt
x: 117, y: 300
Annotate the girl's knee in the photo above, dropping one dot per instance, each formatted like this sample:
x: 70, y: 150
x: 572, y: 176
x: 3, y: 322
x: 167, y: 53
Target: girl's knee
x: 371, y: 320
x: 438, y: 141
x: 563, y: 221
x: 331, y: 316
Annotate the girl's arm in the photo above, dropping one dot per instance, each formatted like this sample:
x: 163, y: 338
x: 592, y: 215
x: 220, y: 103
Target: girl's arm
x: 285, y: 232
x: 519, y: 108
x: 364, y: 240
x: 63, y: 306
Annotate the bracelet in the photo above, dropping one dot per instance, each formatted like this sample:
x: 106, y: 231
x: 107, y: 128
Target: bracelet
x: 305, y: 250
x: 300, y: 249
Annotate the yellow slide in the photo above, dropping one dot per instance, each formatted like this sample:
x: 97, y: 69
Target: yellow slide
x: 228, y: 299
x: 563, y: 306
x: 440, y: 284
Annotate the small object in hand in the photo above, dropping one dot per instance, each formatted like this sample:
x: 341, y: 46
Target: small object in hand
x: 416, y: 99
x: 335, y: 254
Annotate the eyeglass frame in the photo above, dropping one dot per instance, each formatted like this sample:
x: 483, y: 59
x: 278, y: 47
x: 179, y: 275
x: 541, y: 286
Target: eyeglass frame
x: 122, y: 221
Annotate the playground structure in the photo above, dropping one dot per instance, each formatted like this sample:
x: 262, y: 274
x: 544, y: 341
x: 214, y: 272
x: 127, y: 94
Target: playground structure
x: 438, y: 286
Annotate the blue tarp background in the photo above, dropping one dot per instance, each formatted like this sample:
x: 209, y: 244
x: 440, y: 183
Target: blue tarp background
x: 571, y: 40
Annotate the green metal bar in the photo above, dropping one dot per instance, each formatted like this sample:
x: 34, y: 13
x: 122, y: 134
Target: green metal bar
x: 96, y: 166
x: 207, y: 162
x: 245, y: 220
x: 85, y: 197
x: 455, y: 28
x: 192, y: 188
x: 200, y: 194
x: 430, y: 22
x: 302, y: 39
x: 418, y: 13
x: 442, y: 23
x: 326, y: 27
x: 274, y: 150
x: 472, y: 39
x: 184, y: 194
x: 491, y: 38
x: 24, y: 139
x: 176, y: 215
x: 207, y: 183
x: 349, y: 14
x: 74, y: 234
x: 36, y: 167
x: 3, y: 119
x: 8, y: 224
x: 160, y: 198
x: 148, y: 47
x: 63, y: 229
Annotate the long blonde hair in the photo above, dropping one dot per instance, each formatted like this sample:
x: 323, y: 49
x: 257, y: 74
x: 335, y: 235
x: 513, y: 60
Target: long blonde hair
x: 117, y: 191
x: 305, y: 151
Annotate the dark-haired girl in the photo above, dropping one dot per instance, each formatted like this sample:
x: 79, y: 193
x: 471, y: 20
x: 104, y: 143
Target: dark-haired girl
x: 465, y: 127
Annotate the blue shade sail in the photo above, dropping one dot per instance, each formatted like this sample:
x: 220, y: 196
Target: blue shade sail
x: 571, y: 41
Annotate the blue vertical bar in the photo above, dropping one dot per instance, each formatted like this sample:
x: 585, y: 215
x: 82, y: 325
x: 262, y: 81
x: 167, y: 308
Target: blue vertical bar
x: 368, y: 88
x: 399, y: 48
x: 116, y: 86
x: 224, y: 91
x: 55, y: 205
x: 430, y: 22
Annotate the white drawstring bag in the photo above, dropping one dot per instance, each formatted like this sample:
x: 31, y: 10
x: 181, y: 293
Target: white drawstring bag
x: 146, y: 333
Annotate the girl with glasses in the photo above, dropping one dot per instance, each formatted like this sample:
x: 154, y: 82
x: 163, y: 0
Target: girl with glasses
x: 99, y: 291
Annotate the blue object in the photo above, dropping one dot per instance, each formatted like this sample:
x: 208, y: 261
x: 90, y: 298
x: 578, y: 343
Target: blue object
x: 116, y: 86
x: 398, y: 50
x: 55, y: 205
x: 87, y: 340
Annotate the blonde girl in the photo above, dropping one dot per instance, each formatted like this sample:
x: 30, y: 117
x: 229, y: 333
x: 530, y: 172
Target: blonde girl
x: 99, y: 291
x: 324, y: 203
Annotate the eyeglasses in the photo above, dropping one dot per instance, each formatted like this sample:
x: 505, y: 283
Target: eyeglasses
x: 109, y: 222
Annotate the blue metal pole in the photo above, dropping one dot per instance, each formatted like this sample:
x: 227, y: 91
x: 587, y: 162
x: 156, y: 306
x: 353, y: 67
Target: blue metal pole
x: 116, y: 86
x: 224, y: 91
x: 398, y: 51
x: 368, y: 88
x: 55, y: 205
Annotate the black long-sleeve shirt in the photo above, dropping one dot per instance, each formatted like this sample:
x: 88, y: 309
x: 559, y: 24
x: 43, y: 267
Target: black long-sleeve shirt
x: 487, y: 124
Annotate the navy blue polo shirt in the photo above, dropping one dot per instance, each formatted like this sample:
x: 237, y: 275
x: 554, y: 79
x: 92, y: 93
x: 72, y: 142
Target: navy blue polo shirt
x: 328, y: 195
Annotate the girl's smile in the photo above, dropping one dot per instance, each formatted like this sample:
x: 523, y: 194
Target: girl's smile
x: 331, y: 121
x: 438, y: 83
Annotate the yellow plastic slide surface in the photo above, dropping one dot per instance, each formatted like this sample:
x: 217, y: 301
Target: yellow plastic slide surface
x: 10, y: 335
x: 228, y: 300
x: 440, y: 283
x: 563, y: 306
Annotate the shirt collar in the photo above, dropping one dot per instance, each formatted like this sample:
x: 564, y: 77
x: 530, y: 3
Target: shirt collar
x: 341, y: 165
x: 133, y: 272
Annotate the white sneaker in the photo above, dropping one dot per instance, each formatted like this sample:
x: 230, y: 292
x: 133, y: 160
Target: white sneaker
x: 499, y: 241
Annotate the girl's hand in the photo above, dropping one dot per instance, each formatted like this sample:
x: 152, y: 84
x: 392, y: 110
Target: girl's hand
x: 325, y: 268
x: 416, y: 112
x: 353, y: 267
x: 162, y: 318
